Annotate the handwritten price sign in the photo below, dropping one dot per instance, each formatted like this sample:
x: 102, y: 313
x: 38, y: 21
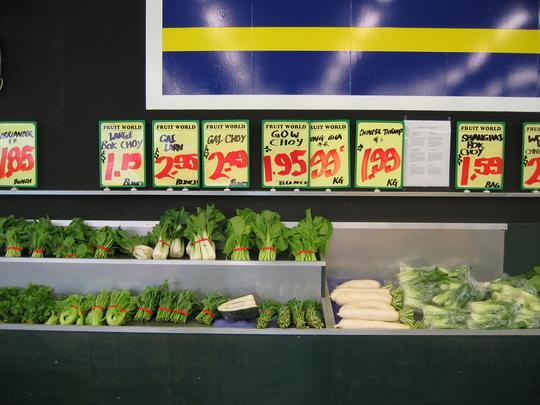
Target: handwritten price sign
x: 479, y: 155
x: 175, y: 154
x: 285, y: 154
x: 18, y: 164
x: 379, y: 151
x: 121, y: 154
x: 530, y: 177
x: 225, y: 154
x: 329, y: 154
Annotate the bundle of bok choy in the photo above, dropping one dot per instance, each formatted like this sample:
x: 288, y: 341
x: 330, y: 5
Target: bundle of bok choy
x: 96, y: 315
x: 137, y: 246
x: 309, y: 237
x: 16, y: 238
x: 74, y: 241
x: 270, y: 235
x: 203, y: 229
x: 240, y: 237
x: 121, y: 308
x: 41, y: 234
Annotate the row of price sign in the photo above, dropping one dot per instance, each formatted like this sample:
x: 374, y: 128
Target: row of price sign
x: 295, y: 154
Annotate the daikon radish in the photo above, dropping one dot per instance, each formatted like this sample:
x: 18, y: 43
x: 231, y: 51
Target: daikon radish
x: 382, y: 291
x: 367, y: 304
x: 360, y: 324
x: 369, y: 314
x: 346, y: 297
x: 360, y: 284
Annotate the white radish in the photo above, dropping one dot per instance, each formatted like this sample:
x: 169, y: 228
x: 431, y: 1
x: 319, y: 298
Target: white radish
x: 360, y: 284
x: 361, y: 324
x: 367, y: 304
x: 382, y: 291
x: 369, y: 314
x: 346, y: 297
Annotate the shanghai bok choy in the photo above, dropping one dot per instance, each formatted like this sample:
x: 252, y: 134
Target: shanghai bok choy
x: 203, y: 229
x: 136, y: 246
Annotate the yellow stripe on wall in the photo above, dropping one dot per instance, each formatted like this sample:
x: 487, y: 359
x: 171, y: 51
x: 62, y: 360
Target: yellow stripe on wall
x: 380, y: 39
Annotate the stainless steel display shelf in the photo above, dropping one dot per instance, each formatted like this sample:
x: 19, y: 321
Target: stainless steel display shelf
x: 280, y: 280
x: 269, y: 193
x: 270, y: 331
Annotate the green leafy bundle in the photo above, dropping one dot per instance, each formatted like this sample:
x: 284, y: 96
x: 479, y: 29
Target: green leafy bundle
x: 96, y: 315
x: 5, y: 224
x: 70, y: 314
x: 41, y: 234
x: 270, y: 235
x: 136, y: 246
x: 11, y: 310
x: 104, y: 242
x: 313, y: 311
x: 297, y: 313
x: 240, y: 237
x: 309, y: 237
x: 33, y: 304
x: 165, y: 308
x: 203, y: 229
x: 178, y: 218
x: 268, y: 311
x: 121, y: 308
x: 209, y: 311
x: 16, y: 238
x: 74, y: 241
x: 148, y: 302
x: 183, y: 307
x: 284, y: 316
x: 489, y: 315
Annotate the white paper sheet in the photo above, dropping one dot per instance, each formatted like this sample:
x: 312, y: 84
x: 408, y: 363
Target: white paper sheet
x: 427, y: 154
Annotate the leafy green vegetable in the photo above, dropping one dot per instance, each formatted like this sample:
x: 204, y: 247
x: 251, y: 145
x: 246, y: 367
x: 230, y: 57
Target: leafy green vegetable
x: 270, y: 235
x: 284, y: 316
x: 74, y: 241
x: 16, y: 238
x: 165, y: 308
x: 268, y: 310
x: 104, y: 242
x: 96, y: 316
x: 121, y: 308
x: 309, y: 237
x: 148, y: 302
x: 209, y: 308
x: 297, y: 312
x: 41, y: 234
x: 441, y: 318
x: 71, y: 312
x: 5, y: 224
x: 313, y: 314
x: 183, y: 307
x: 489, y: 315
x: 240, y: 238
x: 136, y: 246
x: 203, y: 229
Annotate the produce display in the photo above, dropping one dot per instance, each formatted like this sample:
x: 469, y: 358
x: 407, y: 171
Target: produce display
x: 439, y: 298
x: 177, y: 232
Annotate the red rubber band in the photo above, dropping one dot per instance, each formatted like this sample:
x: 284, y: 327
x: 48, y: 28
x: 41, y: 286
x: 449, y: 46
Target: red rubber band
x: 165, y: 243
x: 273, y: 249
x: 210, y: 314
x: 71, y: 255
x: 200, y: 240
x: 240, y: 249
x: 18, y: 249
x: 98, y: 307
x: 124, y: 310
x: 74, y: 306
x: 39, y: 251
x: 146, y: 310
x: 103, y: 248
x: 165, y: 309
x: 181, y: 311
x: 304, y: 251
x: 113, y: 306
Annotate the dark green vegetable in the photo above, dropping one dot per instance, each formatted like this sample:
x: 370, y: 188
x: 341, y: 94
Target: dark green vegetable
x: 297, y: 313
x: 309, y: 237
x: 268, y: 311
x: 183, y: 307
x: 148, y: 302
x: 74, y: 241
x: 270, y: 235
x: 41, y: 235
x: 96, y: 316
x: 203, y: 229
x: 5, y: 223
x: 240, y: 237
x: 313, y: 314
x: 16, y: 238
x: 165, y: 308
x: 209, y: 311
x: 104, y: 242
x: 284, y: 316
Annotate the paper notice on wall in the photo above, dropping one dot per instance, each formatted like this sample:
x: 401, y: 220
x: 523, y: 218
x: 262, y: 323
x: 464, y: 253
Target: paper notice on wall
x: 427, y: 154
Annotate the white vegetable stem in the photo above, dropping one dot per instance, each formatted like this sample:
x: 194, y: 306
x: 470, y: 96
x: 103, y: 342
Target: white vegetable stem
x: 177, y: 249
x: 142, y: 252
x: 161, y: 251
x: 201, y: 248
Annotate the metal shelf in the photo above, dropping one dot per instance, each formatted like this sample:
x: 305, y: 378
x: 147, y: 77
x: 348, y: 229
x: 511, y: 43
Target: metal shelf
x: 269, y: 193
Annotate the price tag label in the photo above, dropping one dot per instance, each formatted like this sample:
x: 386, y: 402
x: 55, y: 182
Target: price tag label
x: 530, y: 175
x: 479, y: 155
x: 18, y: 154
x: 121, y: 154
x: 225, y: 154
x: 329, y: 154
x: 285, y: 154
x: 175, y: 154
x: 379, y: 154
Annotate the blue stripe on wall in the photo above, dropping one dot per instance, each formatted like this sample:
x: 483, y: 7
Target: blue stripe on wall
x: 344, y: 73
x: 387, y: 13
